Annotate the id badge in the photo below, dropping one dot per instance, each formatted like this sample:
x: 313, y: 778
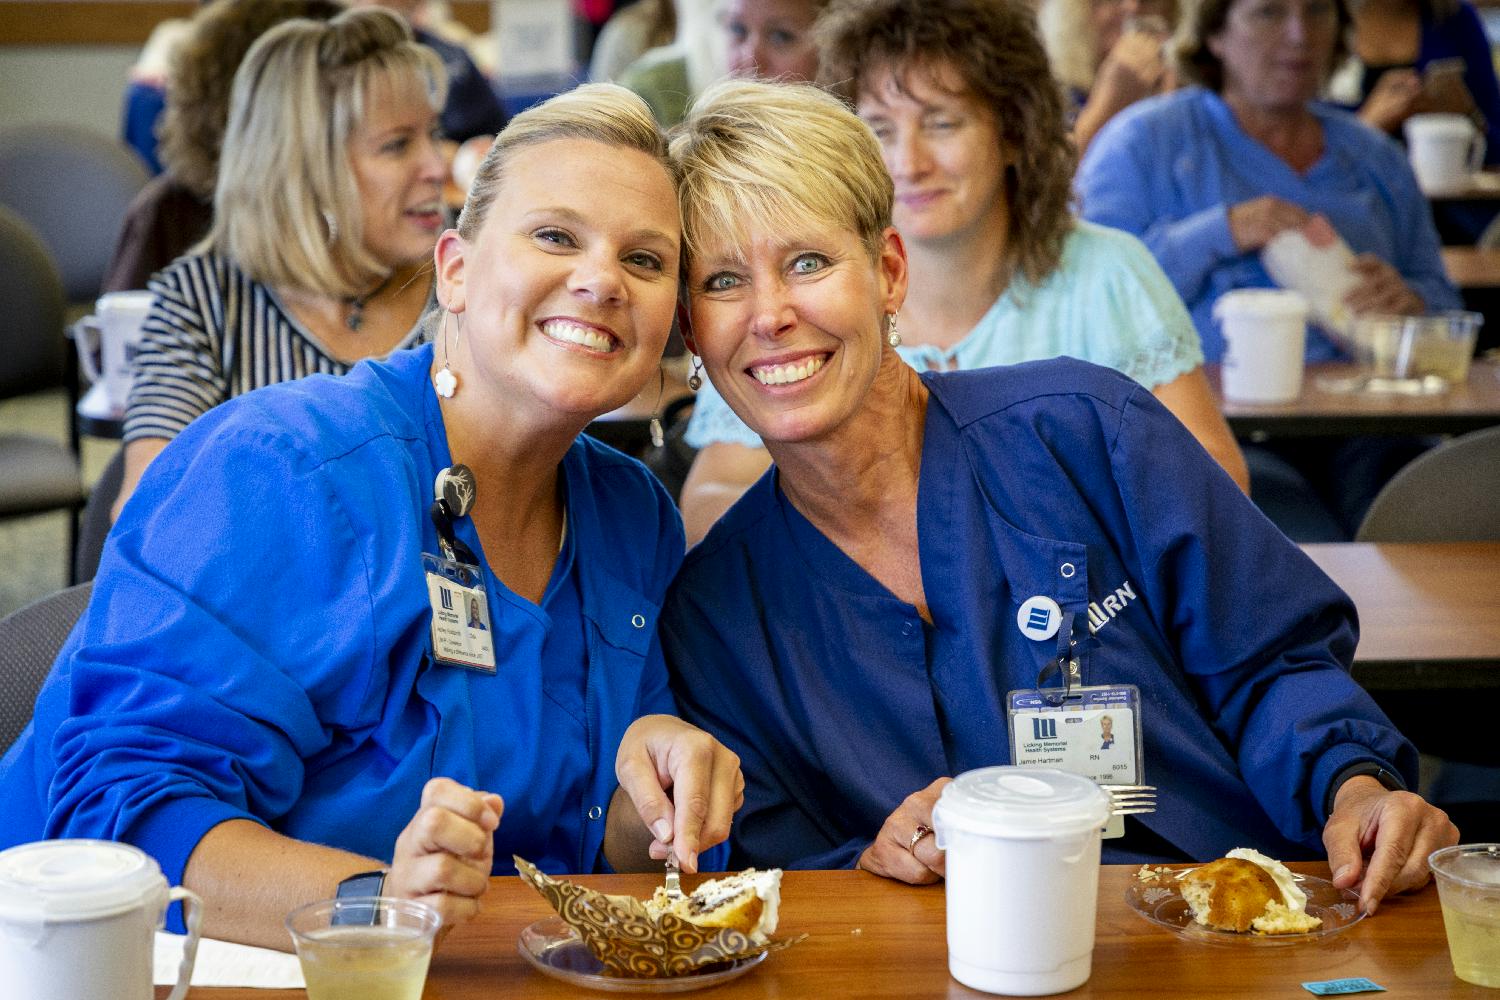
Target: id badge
x: 1094, y: 731
x: 462, y: 633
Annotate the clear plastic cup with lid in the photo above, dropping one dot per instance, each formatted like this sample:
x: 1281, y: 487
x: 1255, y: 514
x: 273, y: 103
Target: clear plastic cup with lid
x: 1022, y: 847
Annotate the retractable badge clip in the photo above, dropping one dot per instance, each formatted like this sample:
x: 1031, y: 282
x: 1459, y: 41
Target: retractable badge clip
x: 453, y: 497
x: 1064, y: 664
x: 462, y: 630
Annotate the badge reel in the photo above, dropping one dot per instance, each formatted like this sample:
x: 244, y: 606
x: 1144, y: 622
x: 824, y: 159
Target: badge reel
x: 1093, y: 730
x: 462, y: 633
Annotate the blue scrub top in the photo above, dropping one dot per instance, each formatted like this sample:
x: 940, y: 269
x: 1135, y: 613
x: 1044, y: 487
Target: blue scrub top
x: 258, y: 643
x: 1053, y: 478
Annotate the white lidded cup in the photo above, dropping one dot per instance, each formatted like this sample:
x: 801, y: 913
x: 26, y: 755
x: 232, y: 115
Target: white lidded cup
x: 1022, y: 849
x: 1265, y: 336
x: 1446, y: 151
x: 78, y: 920
x: 113, y: 333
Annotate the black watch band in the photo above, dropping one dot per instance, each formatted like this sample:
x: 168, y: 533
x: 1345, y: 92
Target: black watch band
x: 1390, y: 780
x: 361, y: 886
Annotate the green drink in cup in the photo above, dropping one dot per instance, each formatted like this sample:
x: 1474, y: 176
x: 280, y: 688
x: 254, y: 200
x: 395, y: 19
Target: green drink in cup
x: 1468, y: 881
x: 371, y: 948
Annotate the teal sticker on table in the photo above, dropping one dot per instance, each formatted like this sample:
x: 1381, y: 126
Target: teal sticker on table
x: 1338, y: 987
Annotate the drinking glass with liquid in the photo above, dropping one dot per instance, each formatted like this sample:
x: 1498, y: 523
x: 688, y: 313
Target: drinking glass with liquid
x: 372, y: 948
x: 1468, y: 881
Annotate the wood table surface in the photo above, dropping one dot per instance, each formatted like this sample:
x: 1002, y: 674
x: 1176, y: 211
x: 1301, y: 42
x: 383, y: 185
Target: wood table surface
x: 868, y: 937
x: 1429, y: 612
x: 1485, y: 186
x: 1472, y: 267
x: 1318, y: 410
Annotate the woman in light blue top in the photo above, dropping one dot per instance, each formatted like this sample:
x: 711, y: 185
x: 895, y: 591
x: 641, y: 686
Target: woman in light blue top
x: 971, y: 128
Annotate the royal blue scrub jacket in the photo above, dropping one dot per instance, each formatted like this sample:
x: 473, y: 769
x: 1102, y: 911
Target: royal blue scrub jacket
x: 1058, y: 479
x: 257, y: 646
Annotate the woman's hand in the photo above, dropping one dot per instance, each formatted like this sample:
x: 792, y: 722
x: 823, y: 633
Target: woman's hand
x: 661, y: 752
x: 899, y: 852
x: 445, y: 854
x: 1381, y: 289
x: 1393, y: 100
x: 1256, y: 222
x: 1133, y: 70
x: 1396, y: 831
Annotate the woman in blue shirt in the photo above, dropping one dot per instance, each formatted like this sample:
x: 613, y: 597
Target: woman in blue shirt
x: 274, y: 688
x: 925, y: 544
x: 971, y: 127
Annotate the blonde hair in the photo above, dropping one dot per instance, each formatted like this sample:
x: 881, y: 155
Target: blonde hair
x: 768, y: 156
x: 287, y: 207
x: 1068, y: 34
x: 603, y: 112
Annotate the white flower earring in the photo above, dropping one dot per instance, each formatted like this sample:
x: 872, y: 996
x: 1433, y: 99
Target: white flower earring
x: 445, y: 383
x: 891, y: 336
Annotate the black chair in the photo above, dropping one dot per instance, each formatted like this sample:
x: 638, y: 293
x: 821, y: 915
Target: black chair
x: 30, y: 640
x: 73, y: 186
x: 1449, y: 494
x: 37, y: 475
x: 96, y: 520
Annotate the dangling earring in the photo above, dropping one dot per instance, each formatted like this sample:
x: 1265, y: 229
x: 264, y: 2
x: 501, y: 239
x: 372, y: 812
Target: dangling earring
x: 657, y: 437
x: 695, y: 380
x: 445, y: 383
x: 891, y: 336
x: 332, y: 224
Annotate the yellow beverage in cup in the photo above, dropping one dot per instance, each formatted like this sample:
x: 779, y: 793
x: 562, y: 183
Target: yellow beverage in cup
x: 364, y: 949
x: 1468, y: 879
x: 365, y: 963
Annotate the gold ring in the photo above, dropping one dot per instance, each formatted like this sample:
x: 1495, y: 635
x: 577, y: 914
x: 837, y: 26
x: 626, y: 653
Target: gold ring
x: 916, y: 837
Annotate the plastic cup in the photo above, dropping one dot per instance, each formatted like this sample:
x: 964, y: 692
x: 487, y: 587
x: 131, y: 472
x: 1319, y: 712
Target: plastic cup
x: 1414, y: 347
x: 1468, y: 881
x: 1265, y: 336
x: 345, y: 956
x: 78, y: 919
x: 1022, y: 886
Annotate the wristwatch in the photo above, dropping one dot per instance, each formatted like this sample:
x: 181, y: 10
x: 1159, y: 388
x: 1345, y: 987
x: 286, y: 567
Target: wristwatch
x: 1367, y: 768
x: 362, y: 886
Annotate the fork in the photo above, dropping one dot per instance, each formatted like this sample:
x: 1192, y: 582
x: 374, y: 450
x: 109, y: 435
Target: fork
x: 1131, y: 800
x: 673, y: 880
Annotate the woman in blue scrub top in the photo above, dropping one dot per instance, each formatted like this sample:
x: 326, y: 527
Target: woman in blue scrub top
x: 925, y: 544
x: 274, y: 687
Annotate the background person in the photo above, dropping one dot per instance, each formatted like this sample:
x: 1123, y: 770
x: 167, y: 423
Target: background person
x: 971, y: 128
x: 175, y: 210
x: 319, y: 253
x: 850, y: 627
x: 257, y: 695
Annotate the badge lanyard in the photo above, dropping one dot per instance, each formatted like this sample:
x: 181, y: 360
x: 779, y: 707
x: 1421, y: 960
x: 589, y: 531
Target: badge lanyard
x: 1094, y: 730
x: 462, y: 633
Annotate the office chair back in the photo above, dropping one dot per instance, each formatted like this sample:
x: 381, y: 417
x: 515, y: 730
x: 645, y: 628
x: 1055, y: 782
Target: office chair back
x: 1449, y: 494
x: 33, y: 344
x: 30, y: 640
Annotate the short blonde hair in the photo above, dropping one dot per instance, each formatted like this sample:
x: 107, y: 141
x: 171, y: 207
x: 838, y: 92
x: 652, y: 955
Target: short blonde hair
x: 769, y: 156
x: 287, y: 207
x: 603, y: 112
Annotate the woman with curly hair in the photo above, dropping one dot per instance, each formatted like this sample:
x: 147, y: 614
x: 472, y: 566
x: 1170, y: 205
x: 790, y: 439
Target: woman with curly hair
x: 175, y: 210
x: 970, y: 125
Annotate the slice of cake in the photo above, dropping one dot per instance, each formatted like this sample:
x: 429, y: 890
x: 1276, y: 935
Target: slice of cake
x: 1247, y: 891
x: 746, y: 902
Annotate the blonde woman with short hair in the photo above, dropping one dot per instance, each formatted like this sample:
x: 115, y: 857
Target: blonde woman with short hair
x: 327, y: 206
x: 301, y: 674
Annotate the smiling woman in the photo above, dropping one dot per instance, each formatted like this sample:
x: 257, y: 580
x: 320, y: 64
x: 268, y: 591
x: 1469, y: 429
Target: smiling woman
x: 421, y: 689
x: 326, y: 209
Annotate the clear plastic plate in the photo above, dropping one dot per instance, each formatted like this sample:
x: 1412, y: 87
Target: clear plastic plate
x: 555, y: 950
x: 1160, y: 901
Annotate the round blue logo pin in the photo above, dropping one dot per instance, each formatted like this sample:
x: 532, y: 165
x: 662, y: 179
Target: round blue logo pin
x: 1039, y: 618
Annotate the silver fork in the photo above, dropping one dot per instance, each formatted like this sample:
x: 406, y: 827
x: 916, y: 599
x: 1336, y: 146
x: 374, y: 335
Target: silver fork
x: 1131, y: 800
x: 673, y: 880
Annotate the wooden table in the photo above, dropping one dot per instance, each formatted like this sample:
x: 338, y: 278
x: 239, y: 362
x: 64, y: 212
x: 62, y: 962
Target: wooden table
x: 1318, y: 411
x: 872, y: 938
x: 1428, y: 613
x: 1484, y: 186
x: 1472, y: 267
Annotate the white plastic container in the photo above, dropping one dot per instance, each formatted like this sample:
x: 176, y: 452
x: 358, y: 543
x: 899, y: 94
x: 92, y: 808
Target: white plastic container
x: 78, y: 919
x: 1265, y: 336
x: 1023, y: 877
x: 1446, y: 151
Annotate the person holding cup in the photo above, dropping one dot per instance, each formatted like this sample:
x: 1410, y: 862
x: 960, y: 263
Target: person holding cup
x: 274, y: 690
x: 327, y: 205
x: 927, y: 543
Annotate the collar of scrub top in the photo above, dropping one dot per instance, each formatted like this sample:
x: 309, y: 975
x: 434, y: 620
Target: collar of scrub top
x: 454, y: 493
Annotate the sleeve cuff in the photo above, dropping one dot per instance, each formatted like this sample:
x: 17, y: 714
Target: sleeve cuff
x: 1205, y: 235
x: 170, y: 832
x: 1340, y: 764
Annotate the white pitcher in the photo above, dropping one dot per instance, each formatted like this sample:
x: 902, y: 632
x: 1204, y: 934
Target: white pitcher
x: 1446, y: 151
x: 108, y: 340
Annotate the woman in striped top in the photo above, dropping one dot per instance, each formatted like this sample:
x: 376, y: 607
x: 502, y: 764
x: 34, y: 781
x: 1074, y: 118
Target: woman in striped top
x: 328, y: 205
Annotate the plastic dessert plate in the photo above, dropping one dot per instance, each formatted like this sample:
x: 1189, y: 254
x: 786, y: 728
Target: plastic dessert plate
x: 1160, y: 901
x: 555, y: 950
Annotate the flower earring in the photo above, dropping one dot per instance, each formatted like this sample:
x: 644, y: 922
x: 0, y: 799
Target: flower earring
x: 695, y: 380
x: 658, y: 436
x: 891, y: 336
x: 445, y: 383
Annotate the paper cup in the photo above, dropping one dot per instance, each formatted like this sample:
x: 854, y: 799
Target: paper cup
x: 1022, y: 887
x: 1445, y: 150
x: 1265, y: 336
